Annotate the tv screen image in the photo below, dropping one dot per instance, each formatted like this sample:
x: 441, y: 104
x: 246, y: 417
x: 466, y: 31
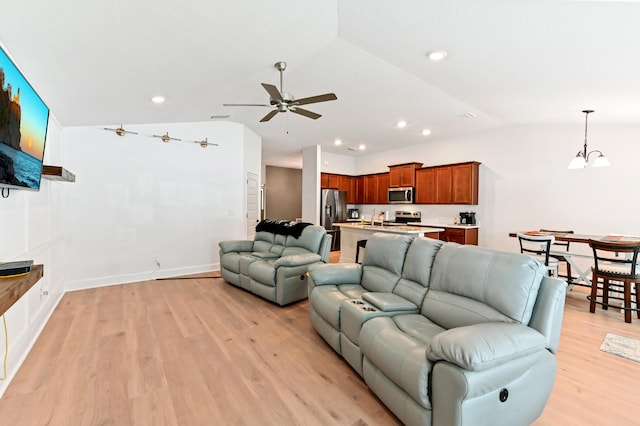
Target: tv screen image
x: 23, y: 129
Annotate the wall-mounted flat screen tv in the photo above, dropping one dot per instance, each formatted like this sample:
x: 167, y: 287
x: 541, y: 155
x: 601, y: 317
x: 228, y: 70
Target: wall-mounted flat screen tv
x: 23, y: 129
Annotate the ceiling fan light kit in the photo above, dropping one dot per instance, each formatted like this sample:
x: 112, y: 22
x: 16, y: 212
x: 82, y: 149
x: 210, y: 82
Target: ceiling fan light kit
x: 282, y: 101
x: 581, y: 159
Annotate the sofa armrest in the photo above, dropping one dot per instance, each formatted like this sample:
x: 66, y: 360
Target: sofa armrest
x: 389, y: 302
x: 335, y: 273
x: 482, y: 346
x: 298, y: 259
x: 236, y: 245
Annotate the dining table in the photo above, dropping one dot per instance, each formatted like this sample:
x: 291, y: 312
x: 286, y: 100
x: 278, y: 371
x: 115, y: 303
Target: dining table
x: 584, y: 274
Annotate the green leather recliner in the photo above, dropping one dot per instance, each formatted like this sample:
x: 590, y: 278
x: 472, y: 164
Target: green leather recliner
x: 445, y: 334
x: 274, y: 266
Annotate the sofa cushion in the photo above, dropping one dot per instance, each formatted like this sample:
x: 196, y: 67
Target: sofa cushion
x: 263, y: 241
x: 397, y: 347
x: 416, y: 272
x: 309, y: 240
x: 471, y: 285
x: 231, y: 261
x: 383, y: 261
x: 263, y: 271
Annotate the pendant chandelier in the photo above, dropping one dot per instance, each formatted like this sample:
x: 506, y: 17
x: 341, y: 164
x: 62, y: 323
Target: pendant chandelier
x: 582, y: 157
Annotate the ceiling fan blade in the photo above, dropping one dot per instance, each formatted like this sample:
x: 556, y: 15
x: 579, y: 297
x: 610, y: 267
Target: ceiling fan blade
x: 305, y: 112
x: 265, y: 105
x: 273, y: 91
x: 269, y: 116
x: 315, y: 99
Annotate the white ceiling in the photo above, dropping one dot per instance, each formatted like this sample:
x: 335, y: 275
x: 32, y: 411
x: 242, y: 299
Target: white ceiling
x: 510, y: 62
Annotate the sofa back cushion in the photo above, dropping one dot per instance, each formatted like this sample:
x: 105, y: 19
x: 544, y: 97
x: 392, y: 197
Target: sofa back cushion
x: 383, y: 261
x: 308, y: 241
x: 471, y: 285
x: 278, y: 244
x: 416, y: 273
x: 263, y: 241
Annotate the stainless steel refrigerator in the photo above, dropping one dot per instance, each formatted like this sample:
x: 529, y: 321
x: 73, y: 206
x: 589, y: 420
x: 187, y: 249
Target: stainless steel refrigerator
x: 333, y: 209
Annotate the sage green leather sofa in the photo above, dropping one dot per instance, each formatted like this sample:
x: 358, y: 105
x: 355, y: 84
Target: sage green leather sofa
x: 444, y: 334
x: 274, y: 265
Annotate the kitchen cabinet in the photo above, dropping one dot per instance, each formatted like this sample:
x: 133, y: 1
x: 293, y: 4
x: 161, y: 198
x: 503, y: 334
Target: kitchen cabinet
x: 359, y: 189
x: 342, y: 183
x: 370, y: 189
x: 448, y: 184
x: 460, y: 235
x: 374, y: 188
x: 464, y: 178
x: 348, y: 184
x: 383, y: 187
x: 425, y: 186
x: 402, y: 175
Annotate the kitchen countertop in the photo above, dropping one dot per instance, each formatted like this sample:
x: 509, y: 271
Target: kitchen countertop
x: 396, y: 229
x: 456, y: 225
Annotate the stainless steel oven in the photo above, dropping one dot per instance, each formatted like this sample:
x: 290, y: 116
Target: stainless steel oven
x: 400, y: 195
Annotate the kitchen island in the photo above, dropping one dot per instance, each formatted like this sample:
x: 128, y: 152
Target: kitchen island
x: 351, y: 233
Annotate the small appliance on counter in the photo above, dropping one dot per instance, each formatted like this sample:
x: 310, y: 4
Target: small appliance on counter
x: 467, y: 218
x: 353, y: 214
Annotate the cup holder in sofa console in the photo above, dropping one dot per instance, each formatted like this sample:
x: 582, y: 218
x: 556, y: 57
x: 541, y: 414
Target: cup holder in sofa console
x: 357, y: 302
x: 368, y: 309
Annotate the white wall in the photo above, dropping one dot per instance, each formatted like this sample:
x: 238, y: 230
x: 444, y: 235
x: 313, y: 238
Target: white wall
x: 31, y: 228
x: 525, y: 183
x: 137, y: 199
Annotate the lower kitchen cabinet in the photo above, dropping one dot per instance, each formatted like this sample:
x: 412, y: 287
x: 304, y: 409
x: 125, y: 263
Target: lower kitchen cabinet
x: 460, y: 235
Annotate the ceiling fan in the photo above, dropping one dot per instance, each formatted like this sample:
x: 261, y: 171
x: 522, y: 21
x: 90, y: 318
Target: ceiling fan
x: 281, y: 101
x: 120, y: 131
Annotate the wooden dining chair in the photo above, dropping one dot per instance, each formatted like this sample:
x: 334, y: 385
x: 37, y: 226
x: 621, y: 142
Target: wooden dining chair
x: 539, y: 246
x: 615, y: 265
x: 562, y: 257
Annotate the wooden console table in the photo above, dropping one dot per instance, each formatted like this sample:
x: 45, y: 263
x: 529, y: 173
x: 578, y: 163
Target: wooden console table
x: 13, y: 288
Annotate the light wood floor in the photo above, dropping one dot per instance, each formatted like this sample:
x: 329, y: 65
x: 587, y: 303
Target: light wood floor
x: 203, y: 352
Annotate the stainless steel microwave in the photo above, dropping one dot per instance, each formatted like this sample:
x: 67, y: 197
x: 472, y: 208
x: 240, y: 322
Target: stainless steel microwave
x: 400, y: 195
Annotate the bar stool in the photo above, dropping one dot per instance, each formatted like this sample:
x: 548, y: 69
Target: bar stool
x: 360, y: 243
x: 610, y: 266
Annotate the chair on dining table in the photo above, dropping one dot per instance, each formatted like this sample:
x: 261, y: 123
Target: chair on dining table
x: 610, y: 266
x: 539, y: 246
x: 561, y: 257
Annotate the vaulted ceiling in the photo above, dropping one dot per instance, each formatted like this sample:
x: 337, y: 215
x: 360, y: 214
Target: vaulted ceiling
x: 509, y: 63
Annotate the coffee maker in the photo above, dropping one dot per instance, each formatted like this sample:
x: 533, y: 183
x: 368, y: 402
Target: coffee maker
x: 353, y: 214
x: 467, y: 218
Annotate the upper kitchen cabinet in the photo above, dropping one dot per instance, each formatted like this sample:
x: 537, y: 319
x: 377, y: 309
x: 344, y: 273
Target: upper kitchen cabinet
x: 374, y: 189
x: 450, y: 184
x: 342, y: 183
x: 402, y: 175
x: 383, y: 187
x: 464, y: 178
x: 425, y: 186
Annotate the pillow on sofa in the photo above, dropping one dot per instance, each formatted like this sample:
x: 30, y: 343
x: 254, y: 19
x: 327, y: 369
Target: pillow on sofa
x: 471, y: 285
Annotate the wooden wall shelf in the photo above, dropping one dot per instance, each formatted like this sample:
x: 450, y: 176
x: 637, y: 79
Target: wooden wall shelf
x: 58, y: 173
x: 13, y: 288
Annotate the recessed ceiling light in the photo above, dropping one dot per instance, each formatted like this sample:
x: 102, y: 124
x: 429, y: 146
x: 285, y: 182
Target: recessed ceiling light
x: 157, y: 99
x: 437, y: 55
x: 402, y: 124
x: 426, y: 132
x: 361, y: 147
x: 337, y: 142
